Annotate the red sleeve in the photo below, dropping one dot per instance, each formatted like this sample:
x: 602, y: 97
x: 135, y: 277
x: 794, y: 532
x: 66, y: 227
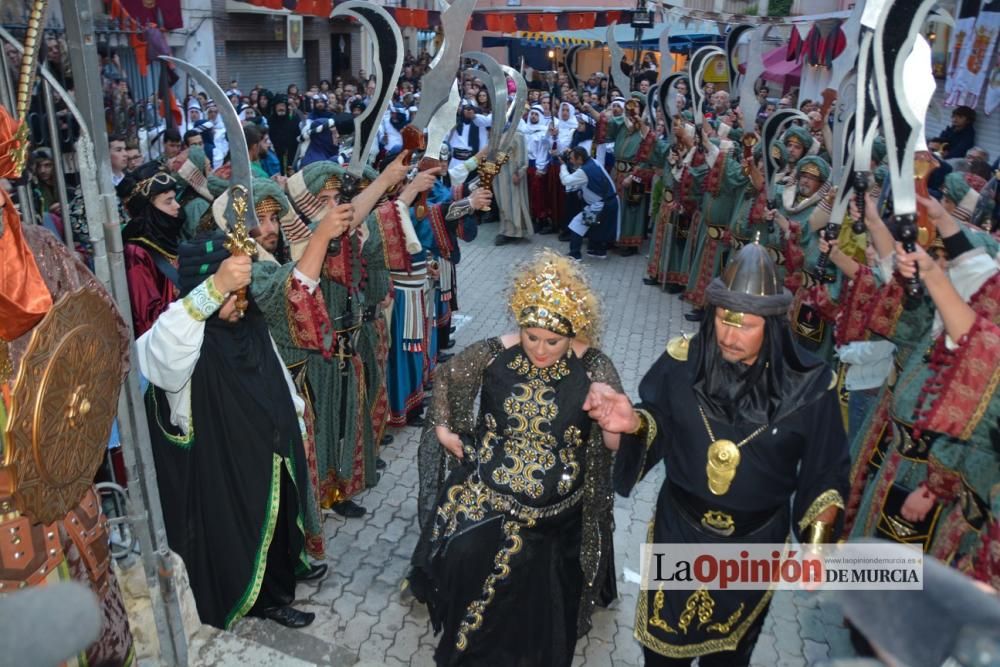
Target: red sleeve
x: 308, y: 319
x: 645, y: 176
x: 942, y: 481
x: 439, y: 229
x: 856, y: 302
x: 966, y: 380
x: 393, y: 242
x: 794, y: 257
x: 149, y: 292
x: 646, y: 147
x: 885, y: 308
x: 818, y: 296
x: 601, y: 133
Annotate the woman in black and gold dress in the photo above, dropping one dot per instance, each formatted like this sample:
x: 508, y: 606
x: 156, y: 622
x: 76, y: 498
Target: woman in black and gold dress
x: 515, y: 546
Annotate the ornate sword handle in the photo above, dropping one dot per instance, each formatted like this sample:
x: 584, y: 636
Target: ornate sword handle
x: 823, y: 272
x: 350, y: 186
x: 906, y: 229
x: 860, y: 188
x: 238, y: 241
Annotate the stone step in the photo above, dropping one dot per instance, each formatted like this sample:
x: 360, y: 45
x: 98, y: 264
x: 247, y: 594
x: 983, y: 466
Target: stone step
x: 210, y: 646
x: 298, y: 645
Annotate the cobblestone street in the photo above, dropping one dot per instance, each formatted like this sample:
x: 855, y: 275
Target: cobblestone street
x: 363, y: 616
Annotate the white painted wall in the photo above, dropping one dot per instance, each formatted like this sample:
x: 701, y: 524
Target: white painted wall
x: 195, y: 42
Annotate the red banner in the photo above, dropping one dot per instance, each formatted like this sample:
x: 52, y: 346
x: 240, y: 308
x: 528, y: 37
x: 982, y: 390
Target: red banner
x: 581, y: 20
x: 164, y: 13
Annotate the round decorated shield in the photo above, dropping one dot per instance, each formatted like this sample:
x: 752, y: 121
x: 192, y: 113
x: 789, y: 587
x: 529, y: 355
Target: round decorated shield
x: 64, y: 400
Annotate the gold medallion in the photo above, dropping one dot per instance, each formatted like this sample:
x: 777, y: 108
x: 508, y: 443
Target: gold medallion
x: 723, y: 459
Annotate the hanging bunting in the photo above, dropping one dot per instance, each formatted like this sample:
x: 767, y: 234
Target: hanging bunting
x: 975, y: 57
x: 965, y: 22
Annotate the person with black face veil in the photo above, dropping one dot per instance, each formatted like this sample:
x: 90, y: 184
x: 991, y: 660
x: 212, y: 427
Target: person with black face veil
x: 227, y: 428
x: 744, y: 420
x: 150, y: 242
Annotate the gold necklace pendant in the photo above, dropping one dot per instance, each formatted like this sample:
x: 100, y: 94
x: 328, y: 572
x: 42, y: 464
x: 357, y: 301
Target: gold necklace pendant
x: 723, y: 459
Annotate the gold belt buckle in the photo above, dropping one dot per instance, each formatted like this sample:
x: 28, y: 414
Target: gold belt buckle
x: 715, y: 233
x: 718, y: 523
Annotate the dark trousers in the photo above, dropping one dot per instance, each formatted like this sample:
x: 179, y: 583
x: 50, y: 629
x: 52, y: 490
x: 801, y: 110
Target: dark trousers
x: 576, y: 243
x: 738, y: 658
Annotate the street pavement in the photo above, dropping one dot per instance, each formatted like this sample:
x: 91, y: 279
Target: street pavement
x: 364, y: 616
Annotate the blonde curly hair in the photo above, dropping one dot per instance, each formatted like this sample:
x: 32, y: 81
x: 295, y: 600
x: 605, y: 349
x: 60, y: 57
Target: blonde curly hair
x: 551, y: 291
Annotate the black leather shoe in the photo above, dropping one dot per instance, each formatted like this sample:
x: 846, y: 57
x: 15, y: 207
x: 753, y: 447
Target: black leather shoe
x: 694, y: 316
x: 650, y: 281
x: 628, y: 252
x: 444, y: 356
x: 565, y: 236
x: 673, y: 289
x: 349, y: 509
x: 451, y: 329
x: 415, y: 420
x: 380, y: 463
x: 289, y: 616
x: 502, y: 240
x: 450, y: 345
x: 386, y: 440
x: 317, y: 571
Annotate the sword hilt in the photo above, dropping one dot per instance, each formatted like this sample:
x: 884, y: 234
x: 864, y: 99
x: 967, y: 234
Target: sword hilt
x: 906, y: 230
x: 350, y: 186
x: 823, y: 272
x: 860, y: 188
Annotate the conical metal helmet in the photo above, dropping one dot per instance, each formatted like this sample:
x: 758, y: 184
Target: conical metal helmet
x: 750, y: 283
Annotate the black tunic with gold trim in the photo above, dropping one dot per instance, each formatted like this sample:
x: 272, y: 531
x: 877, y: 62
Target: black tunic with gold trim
x: 800, y: 452
x: 519, y: 544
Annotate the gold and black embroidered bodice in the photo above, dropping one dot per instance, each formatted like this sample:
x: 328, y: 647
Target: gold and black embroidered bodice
x: 531, y: 433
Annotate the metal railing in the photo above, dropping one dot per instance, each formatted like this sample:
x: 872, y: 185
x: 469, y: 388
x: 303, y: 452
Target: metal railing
x: 75, y: 130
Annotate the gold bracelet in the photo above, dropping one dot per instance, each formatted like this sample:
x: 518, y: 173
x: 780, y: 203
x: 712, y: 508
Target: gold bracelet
x: 817, y: 533
x: 643, y: 424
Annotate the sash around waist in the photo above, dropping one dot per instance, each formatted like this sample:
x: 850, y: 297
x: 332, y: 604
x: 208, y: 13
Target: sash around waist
x: 724, y: 522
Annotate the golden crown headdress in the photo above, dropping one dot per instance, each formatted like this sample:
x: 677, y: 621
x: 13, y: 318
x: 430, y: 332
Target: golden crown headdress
x: 551, y: 292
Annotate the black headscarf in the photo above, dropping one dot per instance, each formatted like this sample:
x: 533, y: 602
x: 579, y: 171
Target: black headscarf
x: 782, y: 379
x: 150, y: 227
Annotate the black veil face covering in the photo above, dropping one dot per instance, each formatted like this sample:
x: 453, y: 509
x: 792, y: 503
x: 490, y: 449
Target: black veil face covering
x: 783, y: 378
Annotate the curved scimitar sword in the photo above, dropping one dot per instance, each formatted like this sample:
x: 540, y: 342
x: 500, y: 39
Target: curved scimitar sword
x: 618, y: 75
x: 732, y: 62
x: 239, y: 155
x: 514, y: 111
x: 443, y: 68
x: 904, y: 87
x: 699, y: 63
x: 770, y: 133
x: 388, y: 62
x: 497, y: 92
x: 749, y: 104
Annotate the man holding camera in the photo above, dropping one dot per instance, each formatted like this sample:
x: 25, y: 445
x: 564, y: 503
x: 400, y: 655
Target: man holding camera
x: 598, y: 220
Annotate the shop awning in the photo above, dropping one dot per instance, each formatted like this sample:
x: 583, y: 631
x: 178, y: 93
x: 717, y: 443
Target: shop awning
x: 788, y: 73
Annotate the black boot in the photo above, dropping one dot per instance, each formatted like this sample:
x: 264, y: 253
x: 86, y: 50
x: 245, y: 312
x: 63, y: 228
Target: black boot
x: 349, y: 509
x: 317, y: 571
x: 288, y: 616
